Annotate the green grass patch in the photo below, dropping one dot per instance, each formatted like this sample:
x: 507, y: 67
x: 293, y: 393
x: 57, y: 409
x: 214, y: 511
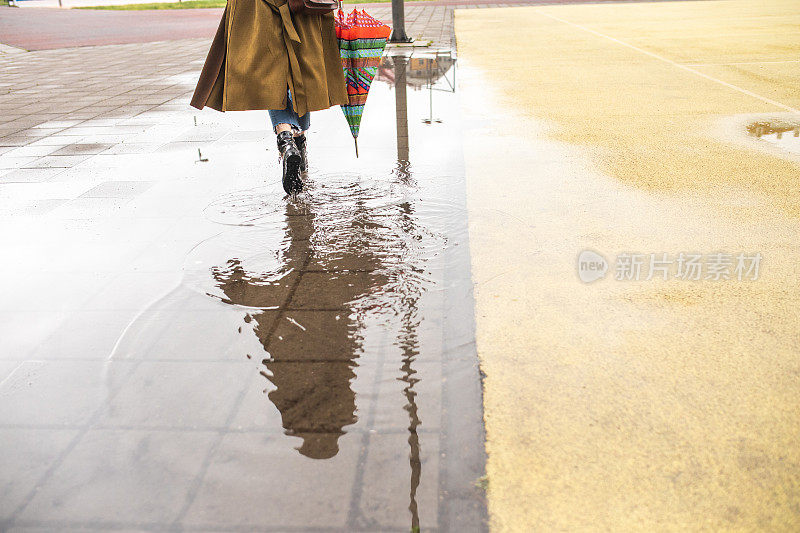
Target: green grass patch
x: 195, y: 4
x: 482, y: 482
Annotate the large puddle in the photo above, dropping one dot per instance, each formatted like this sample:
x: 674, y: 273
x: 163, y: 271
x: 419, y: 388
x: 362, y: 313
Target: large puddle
x: 315, y: 365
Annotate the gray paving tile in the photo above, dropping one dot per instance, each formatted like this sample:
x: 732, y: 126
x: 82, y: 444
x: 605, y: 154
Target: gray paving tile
x: 123, y: 476
x: 84, y: 334
x: 15, y: 140
x: 28, y: 175
x: 392, y: 502
x: 132, y: 148
x: 42, y: 132
x: 201, y: 134
x: 32, y: 207
x: 27, y: 455
x: 31, y: 151
x: 53, y: 393
x: 60, y: 124
x: 10, y: 162
x: 82, y: 130
x: 22, y: 330
x: 91, y: 208
x: 56, y: 140
x: 256, y: 412
x: 82, y: 148
x: 398, y: 391
x: 253, y: 136
x: 104, y: 122
x: 105, y: 138
x: 184, y: 146
x: 56, y: 161
x: 315, y: 494
x: 118, y: 189
x: 7, y: 367
x: 174, y: 395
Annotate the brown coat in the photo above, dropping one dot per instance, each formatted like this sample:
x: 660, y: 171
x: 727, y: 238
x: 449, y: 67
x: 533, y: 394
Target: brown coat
x: 261, y: 49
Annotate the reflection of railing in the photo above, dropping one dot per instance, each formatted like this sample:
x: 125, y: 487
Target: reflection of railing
x: 444, y: 62
x: 777, y: 128
x: 423, y: 70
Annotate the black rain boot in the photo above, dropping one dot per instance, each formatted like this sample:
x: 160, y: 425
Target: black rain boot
x: 291, y: 163
x: 300, y: 142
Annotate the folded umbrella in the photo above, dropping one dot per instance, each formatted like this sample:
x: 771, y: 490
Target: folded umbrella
x: 362, y: 40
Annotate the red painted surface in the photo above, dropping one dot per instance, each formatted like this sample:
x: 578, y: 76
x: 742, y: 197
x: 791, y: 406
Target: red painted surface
x: 45, y: 28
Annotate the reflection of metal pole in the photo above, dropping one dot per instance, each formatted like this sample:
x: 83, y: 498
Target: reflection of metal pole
x: 430, y: 93
x: 410, y: 347
x: 409, y: 344
x: 399, y: 23
x: 400, y: 106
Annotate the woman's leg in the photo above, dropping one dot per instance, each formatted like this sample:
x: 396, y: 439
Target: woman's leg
x: 304, y: 123
x: 284, y: 121
x: 300, y: 139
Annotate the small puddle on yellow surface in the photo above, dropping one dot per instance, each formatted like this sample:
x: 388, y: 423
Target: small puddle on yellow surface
x: 783, y: 134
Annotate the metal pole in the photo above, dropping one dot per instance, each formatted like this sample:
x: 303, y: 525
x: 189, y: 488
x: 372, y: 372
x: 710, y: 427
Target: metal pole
x: 398, y: 23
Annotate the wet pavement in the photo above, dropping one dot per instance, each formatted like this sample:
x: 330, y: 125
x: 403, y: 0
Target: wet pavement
x: 185, y: 348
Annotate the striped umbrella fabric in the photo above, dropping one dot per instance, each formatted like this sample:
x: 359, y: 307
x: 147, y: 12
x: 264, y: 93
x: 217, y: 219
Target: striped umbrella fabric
x: 362, y: 40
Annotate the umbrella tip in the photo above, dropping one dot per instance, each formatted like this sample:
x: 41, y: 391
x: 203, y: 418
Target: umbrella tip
x: 355, y: 141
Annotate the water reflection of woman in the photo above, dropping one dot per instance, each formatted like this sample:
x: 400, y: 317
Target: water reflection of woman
x: 311, y: 365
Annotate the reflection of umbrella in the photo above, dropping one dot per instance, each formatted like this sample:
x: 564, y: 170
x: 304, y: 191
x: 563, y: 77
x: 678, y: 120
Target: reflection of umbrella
x: 361, y: 43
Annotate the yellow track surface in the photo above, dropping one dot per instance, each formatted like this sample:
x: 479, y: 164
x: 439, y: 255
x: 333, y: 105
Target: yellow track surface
x: 636, y: 405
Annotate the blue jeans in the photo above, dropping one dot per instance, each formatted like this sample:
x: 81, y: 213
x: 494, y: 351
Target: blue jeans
x: 288, y: 116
